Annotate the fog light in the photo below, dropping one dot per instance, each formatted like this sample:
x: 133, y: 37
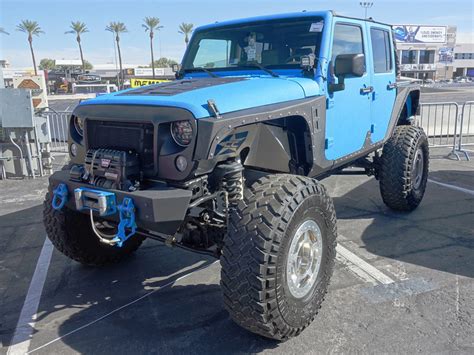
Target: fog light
x: 181, y: 163
x: 73, y: 149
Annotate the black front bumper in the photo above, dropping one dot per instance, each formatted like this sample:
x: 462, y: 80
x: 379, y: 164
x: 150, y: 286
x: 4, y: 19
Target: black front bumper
x: 160, y: 208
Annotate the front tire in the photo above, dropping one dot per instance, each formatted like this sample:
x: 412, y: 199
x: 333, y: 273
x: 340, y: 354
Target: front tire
x: 71, y: 234
x: 404, y: 167
x: 278, y: 255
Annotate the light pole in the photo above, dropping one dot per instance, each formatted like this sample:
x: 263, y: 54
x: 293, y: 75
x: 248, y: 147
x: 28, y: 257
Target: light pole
x: 366, y: 5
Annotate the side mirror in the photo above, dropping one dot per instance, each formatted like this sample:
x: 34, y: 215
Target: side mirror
x: 175, y: 68
x: 347, y: 64
x: 350, y: 64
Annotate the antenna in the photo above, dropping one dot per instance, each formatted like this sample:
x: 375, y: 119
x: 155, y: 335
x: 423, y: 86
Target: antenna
x: 366, y: 5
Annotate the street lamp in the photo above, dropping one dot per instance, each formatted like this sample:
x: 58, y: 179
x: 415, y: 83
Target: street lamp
x: 366, y: 5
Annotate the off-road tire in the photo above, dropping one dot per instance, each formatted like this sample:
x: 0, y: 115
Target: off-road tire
x: 395, y: 169
x: 71, y: 233
x: 253, y: 276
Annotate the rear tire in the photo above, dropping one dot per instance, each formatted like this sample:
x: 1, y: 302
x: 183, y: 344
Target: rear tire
x: 403, y: 171
x: 278, y: 255
x: 71, y: 233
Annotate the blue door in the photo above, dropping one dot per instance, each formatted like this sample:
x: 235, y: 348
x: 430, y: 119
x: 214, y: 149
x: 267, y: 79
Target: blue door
x: 348, y: 111
x: 382, y: 71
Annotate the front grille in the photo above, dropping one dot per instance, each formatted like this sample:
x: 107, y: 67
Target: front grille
x: 126, y: 136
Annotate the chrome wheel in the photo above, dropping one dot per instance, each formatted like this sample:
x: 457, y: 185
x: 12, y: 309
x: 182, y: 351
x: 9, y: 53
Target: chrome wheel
x: 417, y: 170
x: 304, y: 259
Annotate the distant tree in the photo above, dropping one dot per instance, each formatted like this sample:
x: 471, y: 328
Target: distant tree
x: 86, y: 65
x: 186, y: 29
x: 163, y: 63
x: 78, y: 28
x: 118, y: 28
x: 151, y: 24
x: 47, y: 64
x: 31, y: 28
x: 2, y: 30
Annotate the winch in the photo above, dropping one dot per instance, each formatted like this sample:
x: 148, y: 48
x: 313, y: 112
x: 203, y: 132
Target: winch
x: 110, y: 169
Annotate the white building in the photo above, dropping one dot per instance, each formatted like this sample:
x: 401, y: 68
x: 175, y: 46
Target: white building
x: 426, y: 52
x: 464, y: 60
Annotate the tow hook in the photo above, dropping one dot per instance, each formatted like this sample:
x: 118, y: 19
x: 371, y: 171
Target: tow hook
x: 60, y: 196
x: 127, y: 221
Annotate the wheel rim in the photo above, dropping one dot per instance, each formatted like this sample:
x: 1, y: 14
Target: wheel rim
x: 304, y: 259
x: 417, y: 170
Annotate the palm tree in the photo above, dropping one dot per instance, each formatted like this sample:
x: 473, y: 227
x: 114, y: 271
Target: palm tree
x: 117, y: 28
x: 151, y: 24
x: 186, y: 29
x: 2, y: 30
x: 31, y: 28
x: 78, y: 28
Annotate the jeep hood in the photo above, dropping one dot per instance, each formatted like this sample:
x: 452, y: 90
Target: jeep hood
x: 229, y: 93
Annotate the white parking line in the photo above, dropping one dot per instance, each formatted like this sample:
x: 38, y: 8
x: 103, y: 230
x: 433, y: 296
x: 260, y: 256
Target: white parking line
x: 361, y: 268
x: 22, y: 336
x: 172, y: 282
x: 452, y: 187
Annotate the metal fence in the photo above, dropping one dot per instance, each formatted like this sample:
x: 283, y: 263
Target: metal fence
x: 466, y: 136
x: 448, y: 124
x: 440, y: 122
x: 58, y: 125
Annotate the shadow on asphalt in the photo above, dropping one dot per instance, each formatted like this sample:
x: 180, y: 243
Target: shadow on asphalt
x: 438, y: 235
x: 182, y: 319
x: 168, y: 320
x: 189, y: 317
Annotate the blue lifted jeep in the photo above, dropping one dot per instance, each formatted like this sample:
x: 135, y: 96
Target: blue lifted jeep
x: 226, y: 159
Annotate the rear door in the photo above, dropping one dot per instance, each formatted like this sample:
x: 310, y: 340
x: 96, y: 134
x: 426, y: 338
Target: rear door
x: 382, y: 72
x: 348, y: 111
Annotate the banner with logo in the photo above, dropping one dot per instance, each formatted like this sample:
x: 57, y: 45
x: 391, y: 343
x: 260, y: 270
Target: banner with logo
x: 37, y: 85
x: 420, y: 34
x: 149, y: 72
x: 446, y: 55
x: 137, y: 82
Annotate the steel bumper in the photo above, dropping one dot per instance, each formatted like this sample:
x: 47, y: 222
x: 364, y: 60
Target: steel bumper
x: 160, y: 208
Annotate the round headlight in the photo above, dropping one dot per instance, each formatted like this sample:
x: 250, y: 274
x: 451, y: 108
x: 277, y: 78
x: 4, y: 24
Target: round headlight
x: 73, y: 149
x: 79, y: 125
x: 182, y: 132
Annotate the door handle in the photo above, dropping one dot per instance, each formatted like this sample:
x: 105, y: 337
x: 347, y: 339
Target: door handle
x: 366, y: 90
x: 391, y: 86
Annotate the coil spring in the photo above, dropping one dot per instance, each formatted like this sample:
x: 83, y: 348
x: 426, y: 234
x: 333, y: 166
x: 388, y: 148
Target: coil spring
x: 233, y: 182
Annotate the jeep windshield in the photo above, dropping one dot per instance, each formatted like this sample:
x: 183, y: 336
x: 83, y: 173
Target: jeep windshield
x: 258, y: 46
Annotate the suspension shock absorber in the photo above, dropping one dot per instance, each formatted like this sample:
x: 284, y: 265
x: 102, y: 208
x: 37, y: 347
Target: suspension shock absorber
x: 232, y: 180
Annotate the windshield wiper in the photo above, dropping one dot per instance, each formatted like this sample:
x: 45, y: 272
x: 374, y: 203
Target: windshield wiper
x: 260, y: 66
x: 202, y: 69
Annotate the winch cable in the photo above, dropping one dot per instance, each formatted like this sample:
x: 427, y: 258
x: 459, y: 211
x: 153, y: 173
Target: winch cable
x: 103, y: 237
x: 91, y: 168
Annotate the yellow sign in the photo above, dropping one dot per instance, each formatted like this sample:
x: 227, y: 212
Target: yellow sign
x: 137, y: 82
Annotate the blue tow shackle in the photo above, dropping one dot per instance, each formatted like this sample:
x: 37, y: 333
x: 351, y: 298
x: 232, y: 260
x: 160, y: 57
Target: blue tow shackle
x: 127, y: 221
x: 60, y: 196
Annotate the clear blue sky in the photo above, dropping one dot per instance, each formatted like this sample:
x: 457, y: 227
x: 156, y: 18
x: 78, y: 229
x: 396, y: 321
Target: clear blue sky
x: 54, y: 17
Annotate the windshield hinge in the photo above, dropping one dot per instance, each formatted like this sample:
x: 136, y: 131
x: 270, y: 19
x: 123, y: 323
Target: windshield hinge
x: 211, y: 104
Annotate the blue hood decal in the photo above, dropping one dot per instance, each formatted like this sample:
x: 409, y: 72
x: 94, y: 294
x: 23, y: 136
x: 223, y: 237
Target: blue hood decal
x: 229, y: 96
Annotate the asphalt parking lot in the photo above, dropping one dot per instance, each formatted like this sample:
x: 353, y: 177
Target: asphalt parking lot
x: 403, y: 282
